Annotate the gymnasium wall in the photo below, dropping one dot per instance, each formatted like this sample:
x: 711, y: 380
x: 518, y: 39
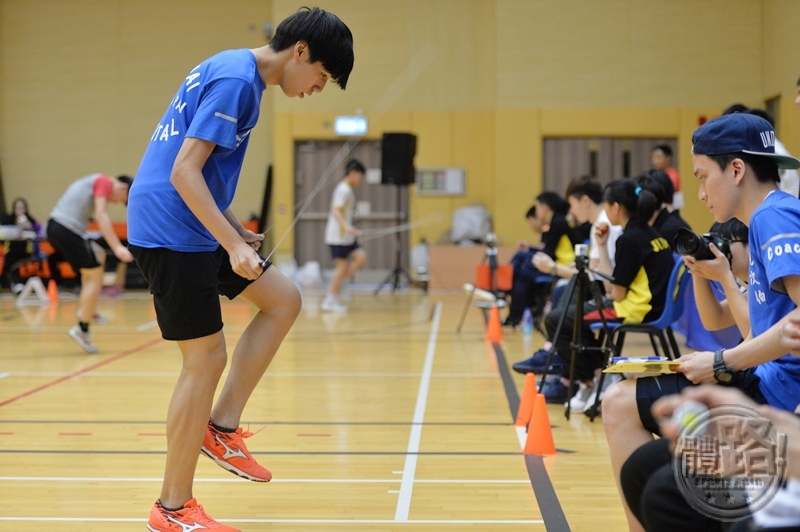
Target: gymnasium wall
x: 480, y: 82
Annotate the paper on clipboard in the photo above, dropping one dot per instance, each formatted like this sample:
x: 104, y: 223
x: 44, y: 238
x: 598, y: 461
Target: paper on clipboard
x: 647, y: 366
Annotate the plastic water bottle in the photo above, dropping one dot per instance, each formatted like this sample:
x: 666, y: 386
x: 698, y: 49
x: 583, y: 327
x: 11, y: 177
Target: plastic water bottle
x: 527, y: 322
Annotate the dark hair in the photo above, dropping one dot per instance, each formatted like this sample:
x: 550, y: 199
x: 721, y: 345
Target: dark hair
x: 128, y: 180
x: 664, y: 148
x: 731, y: 230
x: 668, y: 189
x: 329, y: 40
x: 585, y: 186
x: 639, y: 202
x: 654, y: 185
x: 556, y: 203
x: 354, y: 165
x: 531, y: 212
x: 24, y: 202
x: 734, y: 108
x: 763, y: 167
x: 763, y: 114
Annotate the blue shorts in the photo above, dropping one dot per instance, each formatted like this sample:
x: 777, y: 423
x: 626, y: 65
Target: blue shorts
x: 342, y: 252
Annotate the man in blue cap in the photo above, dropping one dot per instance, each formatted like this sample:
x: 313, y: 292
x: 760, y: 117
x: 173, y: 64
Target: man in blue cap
x: 734, y: 159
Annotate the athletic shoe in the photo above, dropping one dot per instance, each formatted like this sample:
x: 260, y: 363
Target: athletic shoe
x: 228, y: 450
x: 331, y: 304
x: 610, y: 380
x: 190, y: 517
x: 83, y: 339
x: 556, y: 392
x: 537, y: 364
x: 578, y: 401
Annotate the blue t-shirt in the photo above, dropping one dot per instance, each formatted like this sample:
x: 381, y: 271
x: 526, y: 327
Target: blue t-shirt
x: 774, y: 253
x: 219, y: 102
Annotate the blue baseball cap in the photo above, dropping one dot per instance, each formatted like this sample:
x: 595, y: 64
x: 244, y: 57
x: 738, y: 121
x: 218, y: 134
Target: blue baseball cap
x: 739, y: 132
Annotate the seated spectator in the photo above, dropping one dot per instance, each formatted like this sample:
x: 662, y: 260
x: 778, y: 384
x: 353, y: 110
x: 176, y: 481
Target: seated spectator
x: 790, y: 179
x: 641, y: 271
x: 17, y: 250
x: 730, y: 273
x: 666, y: 223
x: 530, y: 287
x: 585, y: 197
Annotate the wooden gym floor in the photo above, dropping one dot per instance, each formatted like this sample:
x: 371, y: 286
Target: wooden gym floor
x: 383, y: 419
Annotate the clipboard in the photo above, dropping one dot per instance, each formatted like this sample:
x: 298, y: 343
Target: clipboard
x: 648, y: 367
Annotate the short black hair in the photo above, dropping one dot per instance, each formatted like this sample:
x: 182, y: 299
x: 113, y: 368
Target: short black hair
x: 764, y: 168
x: 531, y: 213
x: 128, y: 180
x: 665, y: 148
x: 329, y: 40
x: 763, y: 114
x: 735, y: 108
x: 586, y: 186
x: 732, y: 230
x: 556, y: 203
x: 354, y: 165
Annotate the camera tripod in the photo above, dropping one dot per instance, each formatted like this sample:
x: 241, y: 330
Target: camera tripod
x: 578, y: 286
x: 490, y: 256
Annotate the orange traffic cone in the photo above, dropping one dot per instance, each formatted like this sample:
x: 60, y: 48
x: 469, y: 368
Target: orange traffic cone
x: 540, y: 435
x: 52, y: 291
x: 525, y: 410
x: 494, y: 328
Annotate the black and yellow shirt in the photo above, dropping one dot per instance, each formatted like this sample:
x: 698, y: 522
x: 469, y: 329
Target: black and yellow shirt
x: 643, y: 265
x: 559, y: 241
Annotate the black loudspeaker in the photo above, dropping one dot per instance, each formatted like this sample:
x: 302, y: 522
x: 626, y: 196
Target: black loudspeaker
x: 397, y: 158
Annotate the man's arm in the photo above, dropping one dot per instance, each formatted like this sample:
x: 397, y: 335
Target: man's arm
x: 107, y: 229
x: 338, y: 215
x: 187, y: 178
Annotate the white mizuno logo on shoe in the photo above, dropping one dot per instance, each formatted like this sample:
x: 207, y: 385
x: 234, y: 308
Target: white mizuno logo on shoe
x: 187, y: 528
x: 230, y: 453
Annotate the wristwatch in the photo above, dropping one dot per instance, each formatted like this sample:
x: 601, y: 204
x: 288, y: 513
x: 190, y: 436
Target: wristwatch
x: 722, y: 373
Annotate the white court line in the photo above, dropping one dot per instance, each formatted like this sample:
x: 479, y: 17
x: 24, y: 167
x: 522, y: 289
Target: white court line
x: 278, y: 480
x: 297, y: 521
x: 148, y: 325
x: 410, y: 468
x: 275, y: 375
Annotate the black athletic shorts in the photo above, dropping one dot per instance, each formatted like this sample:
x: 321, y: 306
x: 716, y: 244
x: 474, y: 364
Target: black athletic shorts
x: 186, y: 289
x: 78, y: 251
x: 342, y: 252
x: 650, y: 389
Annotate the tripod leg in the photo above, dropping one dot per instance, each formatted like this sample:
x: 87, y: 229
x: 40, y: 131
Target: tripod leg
x: 466, y: 309
x: 556, y: 334
x: 608, y: 340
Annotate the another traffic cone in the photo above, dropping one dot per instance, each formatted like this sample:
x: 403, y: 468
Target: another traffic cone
x: 540, y: 435
x: 52, y: 291
x: 529, y: 392
x: 494, y: 328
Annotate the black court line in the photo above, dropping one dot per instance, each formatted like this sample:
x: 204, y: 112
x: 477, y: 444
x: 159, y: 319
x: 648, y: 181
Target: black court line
x: 546, y: 498
x: 265, y: 453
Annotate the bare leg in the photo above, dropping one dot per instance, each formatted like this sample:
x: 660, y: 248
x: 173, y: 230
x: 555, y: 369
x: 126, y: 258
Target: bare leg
x: 625, y: 434
x: 91, y: 284
x: 278, y: 302
x: 203, y: 363
x: 339, y: 272
x: 358, y: 258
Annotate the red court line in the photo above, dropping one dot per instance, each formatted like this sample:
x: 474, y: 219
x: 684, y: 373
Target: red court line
x: 81, y: 371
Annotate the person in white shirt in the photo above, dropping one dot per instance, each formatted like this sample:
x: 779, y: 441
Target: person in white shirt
x: 341, y: 235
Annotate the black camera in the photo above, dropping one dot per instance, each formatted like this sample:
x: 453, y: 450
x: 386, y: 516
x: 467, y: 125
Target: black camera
x: 688, y: 243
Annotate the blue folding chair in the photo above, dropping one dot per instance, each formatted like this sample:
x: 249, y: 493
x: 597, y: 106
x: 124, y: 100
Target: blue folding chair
x: 673, y: 308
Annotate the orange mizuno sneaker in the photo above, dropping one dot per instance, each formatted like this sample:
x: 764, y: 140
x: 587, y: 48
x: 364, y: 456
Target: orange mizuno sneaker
x: 228, y: 450
x: 190, y: 517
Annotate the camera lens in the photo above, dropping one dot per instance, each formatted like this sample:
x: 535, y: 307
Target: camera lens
x: 687, y: 243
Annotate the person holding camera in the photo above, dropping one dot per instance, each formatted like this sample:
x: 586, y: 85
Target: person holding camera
x: 728, y: 268
x: 735, y: 161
